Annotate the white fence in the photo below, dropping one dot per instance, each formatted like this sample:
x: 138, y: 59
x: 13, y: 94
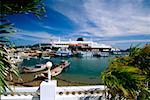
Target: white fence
x: 50, y: 91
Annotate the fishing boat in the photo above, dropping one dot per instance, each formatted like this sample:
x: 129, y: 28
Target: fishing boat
x: 55, y: 71
x: 63, y: 52
x: 32, y: 70
x: 62, y: 65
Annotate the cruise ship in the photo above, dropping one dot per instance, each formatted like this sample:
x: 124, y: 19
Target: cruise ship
x: 84, y: 45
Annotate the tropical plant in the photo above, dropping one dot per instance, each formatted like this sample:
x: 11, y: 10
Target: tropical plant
x: 134, y: 50
x: 9, y: 7
x: 126, y: 76
x: 144, y: 94
x: 142, y: 60
x: 124, y: 81
x: 7, y: 69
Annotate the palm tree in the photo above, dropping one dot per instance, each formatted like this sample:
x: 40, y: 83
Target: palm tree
x: 125, y: 77
x: 7, y: 69
x: 9, y: 7
x: 124, y: 81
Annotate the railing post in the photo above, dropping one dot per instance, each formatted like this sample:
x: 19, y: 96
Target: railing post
x: 48, y: 89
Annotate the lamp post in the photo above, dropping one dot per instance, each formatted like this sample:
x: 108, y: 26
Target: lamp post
x: 48, y: 89
x: 49, y: 65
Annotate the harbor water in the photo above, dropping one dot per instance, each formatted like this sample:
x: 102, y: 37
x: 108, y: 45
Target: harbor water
x: 85, y: 70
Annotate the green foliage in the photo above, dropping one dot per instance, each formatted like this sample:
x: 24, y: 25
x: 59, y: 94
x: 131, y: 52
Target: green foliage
x: 127, y: 76
x: 6, y: 28
x: 134, y: 51
x: 144, y: 94
x: 124, y: 80
x: 9, y: 7
x: 7, y: 69
x: 142, y: 60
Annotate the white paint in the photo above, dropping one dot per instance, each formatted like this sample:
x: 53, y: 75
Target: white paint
x: 80, y: 88
x: 16, y: 97
x: 23, y: 89
x: 48, y: 90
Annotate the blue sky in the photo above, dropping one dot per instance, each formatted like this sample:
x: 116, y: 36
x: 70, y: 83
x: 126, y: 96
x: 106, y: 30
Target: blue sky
x: 116, y: 22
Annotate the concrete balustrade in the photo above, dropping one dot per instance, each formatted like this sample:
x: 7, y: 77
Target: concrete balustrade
x: 50, y: 91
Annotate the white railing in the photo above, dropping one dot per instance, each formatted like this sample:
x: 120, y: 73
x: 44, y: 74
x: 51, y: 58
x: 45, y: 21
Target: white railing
x: 50, y: 91
x: 80, y: 92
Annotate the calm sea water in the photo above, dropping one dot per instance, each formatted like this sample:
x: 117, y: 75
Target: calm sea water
x: 82, y: 70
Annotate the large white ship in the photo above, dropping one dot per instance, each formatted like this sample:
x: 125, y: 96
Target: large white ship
x: 85, y: 45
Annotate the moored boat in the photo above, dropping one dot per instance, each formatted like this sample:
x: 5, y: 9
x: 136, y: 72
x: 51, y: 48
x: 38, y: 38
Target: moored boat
x: 46, y: 57
x: 65, y: 64
x: 32, y: 70
x: 55, y: 71
x: 63, y: 52
x: 62, y: 65
x: 85, y: 54
x: 104, y: 54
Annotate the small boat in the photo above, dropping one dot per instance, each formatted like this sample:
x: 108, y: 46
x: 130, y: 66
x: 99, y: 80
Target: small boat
x: 32, y: 70
x: 116, y: 52
x: 44, y: 75
x: 46, y: 57
x: 96, y: 54
x: 104, y: 54
x: 101, y: 54
x: 63, y: 52
x: 65, y: 64
x: 16, y: 58
x: 57, y: 70
x: 85, y: 54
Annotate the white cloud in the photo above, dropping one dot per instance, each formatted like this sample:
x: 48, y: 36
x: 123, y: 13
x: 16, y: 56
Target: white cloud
x: 126, y: 20
x: 35, y: 37
x: 110, y: 17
